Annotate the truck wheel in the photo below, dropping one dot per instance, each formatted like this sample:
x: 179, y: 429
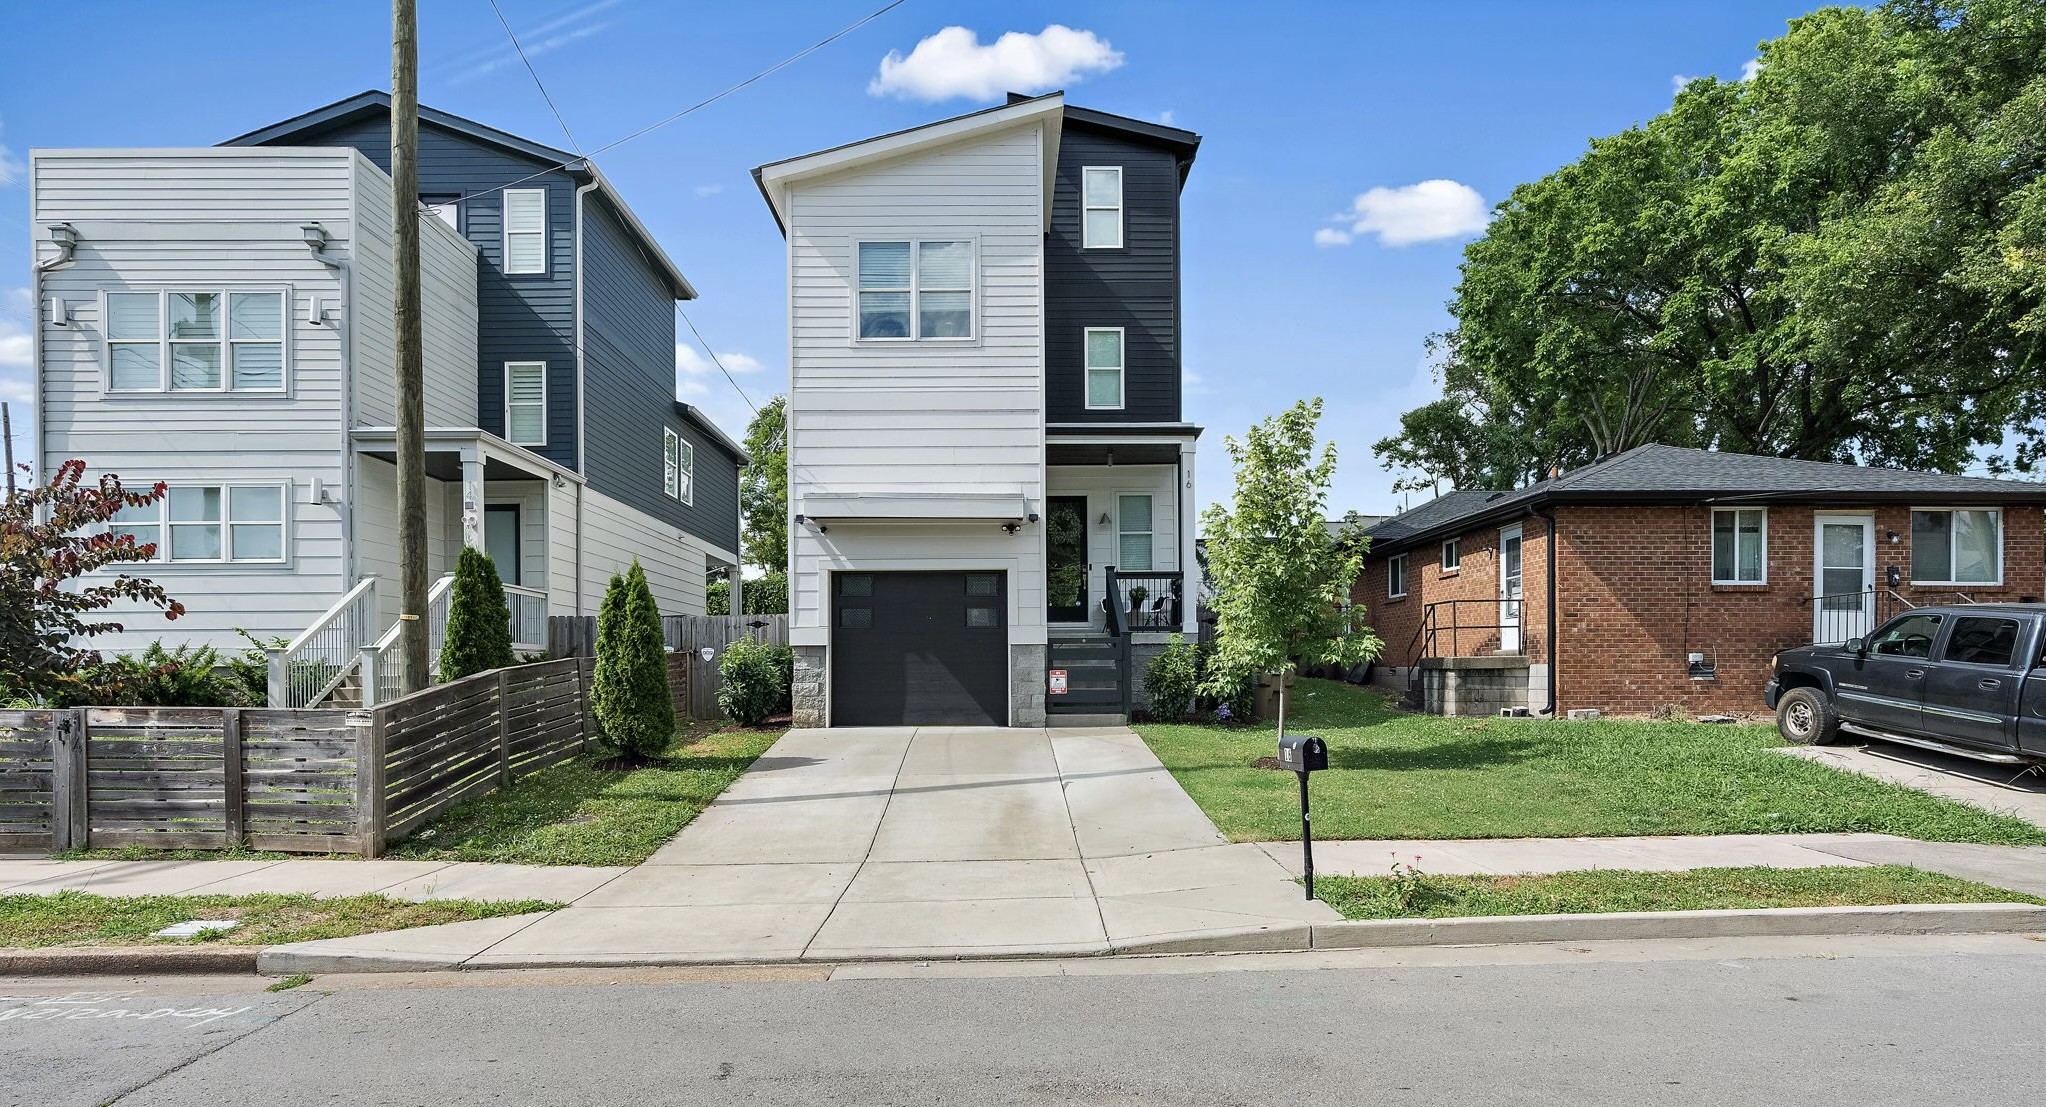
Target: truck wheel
x: 1806, y: 717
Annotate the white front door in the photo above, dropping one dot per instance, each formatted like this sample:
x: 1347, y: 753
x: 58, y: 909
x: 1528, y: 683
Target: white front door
x: 1843, y: 604
x: 1509, y: 590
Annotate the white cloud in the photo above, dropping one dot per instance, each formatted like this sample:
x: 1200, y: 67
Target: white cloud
x: 10, y: 166
x: 1677, y: 81
x: 543, y: 39
x: 1749, y: 68
x: 954, y: 63
x: 709, y: 189
x: 1165, y: 117
x: 1420, y: 212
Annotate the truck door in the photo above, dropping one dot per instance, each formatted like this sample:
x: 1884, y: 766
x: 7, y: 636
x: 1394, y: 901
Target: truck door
x: 1971, y: 689
x: 2032, y: 702
x: 1885, y: 688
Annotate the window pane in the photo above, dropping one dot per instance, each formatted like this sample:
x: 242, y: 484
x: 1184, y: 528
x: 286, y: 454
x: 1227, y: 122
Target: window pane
x: 195, y: 315
x: 258, y: 542
x: 528, y: 383
x: 1750, y: 545
x: 1104, y: 349
x: 195, y: 365
x: 884, y: 315
x: 1103, y: 187
x: 132, y: 315
x: 255, y: 315
x: 1978, y: 640
x: 258, y: 366
x: 982, y: 617
x: 1104, y: 227
x: 257, y: 504
x: 983, y: 584
x: 884, y: 265
x: 1908, y: 637
x: 525, y: 211
x: 1104, y: 388
x: 1722, y: 546
x: 1135, y: 552
x: 1932, y: 552
x: 525, y: 253
x: 523, y: 425
x: 945, y: 265
x: 136, y: 366
x: 856, y: 584
x: 856, y: 618
x: 1135, y: 512
x: 195, y: 543
x: 194, y: 505
x: 1975, y: 546
x: 944, y: 314
x: 145, y: 534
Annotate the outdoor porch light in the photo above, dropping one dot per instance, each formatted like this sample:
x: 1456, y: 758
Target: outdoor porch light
x: 1104, y: 519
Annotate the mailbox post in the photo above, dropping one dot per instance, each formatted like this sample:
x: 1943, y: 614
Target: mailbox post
x: 1304, y: 754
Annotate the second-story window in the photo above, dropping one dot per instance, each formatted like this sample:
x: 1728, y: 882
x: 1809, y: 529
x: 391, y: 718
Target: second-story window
x: 678, y: 461
x: 525, y: 230
x: 525, y: 403
x: 196, y: 341
x: 920, y: 288
x: 1104, y: 368
x: 1101, y: 207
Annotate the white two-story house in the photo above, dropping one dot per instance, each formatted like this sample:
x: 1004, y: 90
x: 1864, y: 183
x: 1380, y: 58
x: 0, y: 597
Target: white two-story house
x: 991, y: 487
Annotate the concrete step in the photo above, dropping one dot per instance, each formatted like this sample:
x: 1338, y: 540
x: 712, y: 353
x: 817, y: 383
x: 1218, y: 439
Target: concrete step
x: 1083, y: 719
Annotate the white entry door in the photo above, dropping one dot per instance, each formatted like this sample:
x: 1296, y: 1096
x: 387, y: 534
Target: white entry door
x: 1843, y: 606
x: 1509, y: 590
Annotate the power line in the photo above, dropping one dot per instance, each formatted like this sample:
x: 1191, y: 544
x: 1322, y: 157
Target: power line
x: 536, y: 77
x: 715, y: 360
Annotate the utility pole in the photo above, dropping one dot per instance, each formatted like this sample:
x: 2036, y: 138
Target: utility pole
x: 412, y: 633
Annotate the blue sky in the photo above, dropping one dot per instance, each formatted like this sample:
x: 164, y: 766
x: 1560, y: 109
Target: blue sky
x: 1318, y: 121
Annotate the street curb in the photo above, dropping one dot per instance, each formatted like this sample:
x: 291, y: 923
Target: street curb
x: 1921, y: 918
x: 128, y: 960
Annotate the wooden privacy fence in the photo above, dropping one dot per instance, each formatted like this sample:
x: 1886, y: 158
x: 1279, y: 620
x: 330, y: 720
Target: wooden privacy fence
x: 307, y: 780
x: 697, y: 697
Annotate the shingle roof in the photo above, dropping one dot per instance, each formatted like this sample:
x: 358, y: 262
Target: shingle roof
x: 1655, y: 473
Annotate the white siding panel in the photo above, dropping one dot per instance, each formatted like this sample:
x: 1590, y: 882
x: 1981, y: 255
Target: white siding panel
x: 447, y: 270
x: 614, y: 534
x: 964, y: 418
x: 376, y: 531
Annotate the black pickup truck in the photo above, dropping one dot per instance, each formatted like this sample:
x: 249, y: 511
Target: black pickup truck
x: 1964, y: 679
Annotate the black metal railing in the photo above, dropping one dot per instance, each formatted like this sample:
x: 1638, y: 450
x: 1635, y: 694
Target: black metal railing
x: 1463, y: 628
x: 1839, y: 616
x: 1148, y: 600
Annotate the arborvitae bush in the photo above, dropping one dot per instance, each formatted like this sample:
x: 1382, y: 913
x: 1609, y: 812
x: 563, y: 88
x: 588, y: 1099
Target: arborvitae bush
x: 478, y: 637
x: 631, y: 697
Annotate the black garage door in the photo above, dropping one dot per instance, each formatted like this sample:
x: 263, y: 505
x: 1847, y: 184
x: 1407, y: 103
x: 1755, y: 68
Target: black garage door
x: 919, y: 648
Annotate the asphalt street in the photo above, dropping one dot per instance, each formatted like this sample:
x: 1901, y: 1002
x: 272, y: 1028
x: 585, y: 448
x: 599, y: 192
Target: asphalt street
x: 1860, y: 1022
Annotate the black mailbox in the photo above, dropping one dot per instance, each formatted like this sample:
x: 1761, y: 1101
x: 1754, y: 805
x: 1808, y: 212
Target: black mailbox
x: 1302, y: 753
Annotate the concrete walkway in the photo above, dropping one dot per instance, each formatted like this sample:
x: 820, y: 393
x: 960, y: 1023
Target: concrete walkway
x: 907, y: 843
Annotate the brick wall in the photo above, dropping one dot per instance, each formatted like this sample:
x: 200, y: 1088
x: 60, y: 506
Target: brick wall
x: 1475, y: 579
x: 1635, y: 597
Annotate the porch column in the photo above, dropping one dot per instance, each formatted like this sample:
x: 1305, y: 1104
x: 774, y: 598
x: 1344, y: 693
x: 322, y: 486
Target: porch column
x: 1189, y: 528
x: 472, y: 498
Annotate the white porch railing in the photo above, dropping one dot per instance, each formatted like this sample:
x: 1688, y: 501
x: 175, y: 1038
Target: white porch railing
x: 528, y: 617
x: 383, y: 674
x: 313, y: 664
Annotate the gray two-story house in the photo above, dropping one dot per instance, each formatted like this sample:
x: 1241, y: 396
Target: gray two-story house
x: 220, y: 318
x: 991, y: 482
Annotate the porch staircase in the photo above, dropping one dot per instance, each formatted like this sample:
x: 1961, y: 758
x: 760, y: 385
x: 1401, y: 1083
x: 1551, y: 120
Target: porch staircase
x: 1094, y: 663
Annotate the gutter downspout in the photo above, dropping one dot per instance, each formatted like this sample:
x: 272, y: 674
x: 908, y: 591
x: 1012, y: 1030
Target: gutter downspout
x: 581, y: 397
x: 346, y: 334
x: 1548, y: 516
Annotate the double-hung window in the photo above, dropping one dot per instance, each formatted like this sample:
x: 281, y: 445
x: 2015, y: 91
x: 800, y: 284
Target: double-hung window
x: 195, y: 341
x: 915, y: 289
x: 1957, y: 545
x: 1452, y: 555
x: 1134, y: 533
x: 1101, y: 207
x: 525, y: 403
x: 1396, y: 577
x: 1104, y: 367
x: 210, y: 523
x: 525, y: 230
x: 678, y: 467
x: 1740, y: 541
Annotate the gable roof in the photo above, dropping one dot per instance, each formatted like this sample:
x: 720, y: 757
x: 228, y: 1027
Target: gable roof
x: 695, y: 417
x: 774, y: 178
x: 1655, y: 474
x: 377, y: 103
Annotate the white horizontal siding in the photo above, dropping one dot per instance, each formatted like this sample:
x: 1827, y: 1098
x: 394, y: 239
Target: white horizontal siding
x: 376, y: 531
x: 957, y: 418
x: 447, y: 296
x: 613, y: 535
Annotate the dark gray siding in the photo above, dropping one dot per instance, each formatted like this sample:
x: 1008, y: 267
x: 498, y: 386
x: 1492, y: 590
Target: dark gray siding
x: 519, y: 318
x: 1136, y: 287
x: 629, y: 376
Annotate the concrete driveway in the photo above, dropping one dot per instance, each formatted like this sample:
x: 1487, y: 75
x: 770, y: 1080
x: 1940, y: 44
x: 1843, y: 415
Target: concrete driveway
x: 923, y: 842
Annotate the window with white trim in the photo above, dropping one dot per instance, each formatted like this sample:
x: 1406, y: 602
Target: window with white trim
x: 1134, y: 533
x: 210, y: 523
x: 678, y: 467
x: 1396, y: 576
x: 525, y: 403
x: 1101, y: 207
x: 1740, y: 545
x: 211, y: 340
x: 1957, y: 545
x: 1104, y: 368
x: 525, y: 230
x: 1452, y: 555
x: 914, y: 289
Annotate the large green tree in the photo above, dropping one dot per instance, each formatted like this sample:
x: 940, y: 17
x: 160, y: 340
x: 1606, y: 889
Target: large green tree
x: 1842, y: 258
x: 764, y: 489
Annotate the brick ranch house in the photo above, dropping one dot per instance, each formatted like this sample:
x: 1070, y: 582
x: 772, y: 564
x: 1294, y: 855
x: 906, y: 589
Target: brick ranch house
x: 1675, y: 574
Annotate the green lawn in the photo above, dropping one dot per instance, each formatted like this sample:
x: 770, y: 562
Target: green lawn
x: 1394, y: 774
x: 1443, y: 897
x: 81, y: 919
x: 579, y: 814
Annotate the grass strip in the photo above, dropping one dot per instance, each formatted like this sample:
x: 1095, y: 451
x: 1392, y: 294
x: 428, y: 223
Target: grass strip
x: 84, y: 919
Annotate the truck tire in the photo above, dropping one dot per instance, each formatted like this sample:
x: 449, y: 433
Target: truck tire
x: 1806, y: 717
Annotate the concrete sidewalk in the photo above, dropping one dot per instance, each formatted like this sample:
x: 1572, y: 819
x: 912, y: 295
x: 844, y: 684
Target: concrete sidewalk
x: 905, y: 843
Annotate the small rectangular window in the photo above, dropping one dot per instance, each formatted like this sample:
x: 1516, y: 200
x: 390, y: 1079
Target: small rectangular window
x: 447, y: 209
x: 856, y: 618
x: 855, y: 585
x: 525, y: 403
x: 1740, y: 538
x: 685, y: 470
x: 983, y: 584
x: 1101, y: 207
x: 914, y: 289
x: 1452, y: 555
x: 982, y: 617
x: 1396, y: 577
x: 1104, y: 368
x: 1133, y: 533
x: 1957, y: 546
x: 525, y: 230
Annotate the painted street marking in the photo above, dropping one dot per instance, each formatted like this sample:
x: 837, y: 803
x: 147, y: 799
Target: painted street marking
x: 90, y: 1006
